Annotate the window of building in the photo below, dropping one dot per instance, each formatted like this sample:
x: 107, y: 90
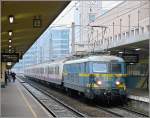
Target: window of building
x: 64, y: 35
x: 105, y: 40
x: 142, y: 30
x: 56, y: 34
x: 123, y: 35
x: 64, y: 51
x: 116, y: 37
x: 132, y: 32
x: 108, y: 40
x: 101, y: 41
x: 56, y: 41
x: 60, y: 41
x: 148, y: 28
x: 65, y: 46
x: 119, y: 36
x: 57, y: 51
x: 136, y: 31
x: 127, y: 34
x: 91, y: 17
x: 111, y: 39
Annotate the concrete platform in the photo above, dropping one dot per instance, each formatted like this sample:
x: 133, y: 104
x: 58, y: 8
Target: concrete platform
x: 139, y: 95
x: 139, y: 100
x: 16, y: 101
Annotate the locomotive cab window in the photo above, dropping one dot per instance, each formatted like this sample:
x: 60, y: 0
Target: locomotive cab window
x: 116, y: 68
x: 100, y: 67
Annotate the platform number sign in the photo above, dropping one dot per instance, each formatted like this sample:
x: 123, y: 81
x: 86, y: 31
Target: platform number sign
x: 37, y: 22
x: 9, y: 57
x: 131, y: 58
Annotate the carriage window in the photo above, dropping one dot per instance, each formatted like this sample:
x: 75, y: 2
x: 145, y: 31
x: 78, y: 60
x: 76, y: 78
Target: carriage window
x: 116, y: 68
x: 100, y: 67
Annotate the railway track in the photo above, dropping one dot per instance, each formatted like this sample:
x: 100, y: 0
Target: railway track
x: 133, y: 111
x: 116, y: 111
x: 56, y: 107
x: 122, y: 112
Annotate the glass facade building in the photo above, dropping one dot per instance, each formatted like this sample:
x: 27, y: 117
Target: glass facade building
x: 59, y: 43
x: 52, y: 44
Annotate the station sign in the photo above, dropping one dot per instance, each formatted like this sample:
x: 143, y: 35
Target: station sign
x: 37, y: 22
x: 10, y: 57
x: 131, y: 58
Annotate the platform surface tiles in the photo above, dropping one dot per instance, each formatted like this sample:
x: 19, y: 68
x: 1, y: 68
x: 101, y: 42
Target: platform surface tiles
x: 139, y: 95
x: 16, y: 101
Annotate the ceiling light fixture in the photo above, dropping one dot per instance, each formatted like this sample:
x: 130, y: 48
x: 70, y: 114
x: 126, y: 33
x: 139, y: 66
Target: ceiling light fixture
x: 120, y: 52
x: 9, y: 46
x: 137, y: 49
x: 11, y: 19
x: 10, y: 40
x: 10, y: 33
x: 9, y: 63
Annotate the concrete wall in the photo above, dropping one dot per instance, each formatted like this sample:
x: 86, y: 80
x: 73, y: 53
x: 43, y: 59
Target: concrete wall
x: 126, y: 23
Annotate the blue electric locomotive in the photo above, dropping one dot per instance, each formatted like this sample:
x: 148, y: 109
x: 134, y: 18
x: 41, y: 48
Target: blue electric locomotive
x: 96, y: 76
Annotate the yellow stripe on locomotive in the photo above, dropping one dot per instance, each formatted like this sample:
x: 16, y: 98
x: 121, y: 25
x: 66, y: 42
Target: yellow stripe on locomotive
x: 97, y: 75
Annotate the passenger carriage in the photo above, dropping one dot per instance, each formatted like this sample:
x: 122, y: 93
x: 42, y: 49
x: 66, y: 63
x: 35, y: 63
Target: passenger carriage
x: 48, y: 72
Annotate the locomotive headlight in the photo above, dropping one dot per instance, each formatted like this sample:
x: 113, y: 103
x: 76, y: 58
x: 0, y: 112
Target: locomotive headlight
x: 99, y: 82
x: 117, y: 82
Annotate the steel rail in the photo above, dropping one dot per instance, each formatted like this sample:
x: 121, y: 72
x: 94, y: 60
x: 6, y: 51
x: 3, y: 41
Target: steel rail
x: 133, y: 111
x: 125, y: 112
x: 51, y: 112
x: 55, y: 99
x: 109, y: 111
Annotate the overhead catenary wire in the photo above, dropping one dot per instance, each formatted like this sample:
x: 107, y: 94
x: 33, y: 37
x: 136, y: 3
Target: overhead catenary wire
x: 119, y: 11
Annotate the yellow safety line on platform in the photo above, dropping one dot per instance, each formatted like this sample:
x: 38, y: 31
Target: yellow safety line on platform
x: 29, y: 106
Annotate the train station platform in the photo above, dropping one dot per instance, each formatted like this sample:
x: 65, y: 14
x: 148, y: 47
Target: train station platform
x: 16, y: 101
x: 139, y: 100
x: 138, y: 95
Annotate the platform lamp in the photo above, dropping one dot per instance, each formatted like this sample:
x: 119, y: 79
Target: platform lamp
x: 10, y: 40
x: 11, y: 19
x: 9, y: 50
x: 9, y: 46
x: 9, y: 63
x: 13, y: 50
x: 10, y: 32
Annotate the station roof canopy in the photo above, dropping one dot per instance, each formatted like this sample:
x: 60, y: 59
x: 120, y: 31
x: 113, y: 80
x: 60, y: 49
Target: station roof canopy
x: 26, y: 13
x: 130, y: 48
